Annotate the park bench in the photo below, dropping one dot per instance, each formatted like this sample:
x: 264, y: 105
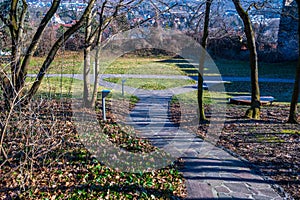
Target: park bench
x: 246, y: 100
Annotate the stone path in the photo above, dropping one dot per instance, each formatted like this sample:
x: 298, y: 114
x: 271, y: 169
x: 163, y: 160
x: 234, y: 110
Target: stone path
x: 210, y: 172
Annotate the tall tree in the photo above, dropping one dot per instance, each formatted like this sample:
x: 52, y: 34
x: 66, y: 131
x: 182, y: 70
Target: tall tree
x: 202, y: 117
x: 95, y: 25
x: 254, y: 110
x: 14, y: 18
x: 295, y: 97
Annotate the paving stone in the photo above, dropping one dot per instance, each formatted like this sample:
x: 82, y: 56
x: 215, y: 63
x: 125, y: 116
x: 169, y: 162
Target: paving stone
x: 228, y: 175
x: 238, y: 187
x: 268, y: 192
x: 222, y: 189
x: 261, y: 185
x: 239, y: 195
x: 248, y: 176
x: 224, y: 196
x: 260, y: 197
x: 199, y: 190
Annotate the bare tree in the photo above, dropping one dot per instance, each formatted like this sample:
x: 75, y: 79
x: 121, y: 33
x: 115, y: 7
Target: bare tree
x: 254, y: 110
x: 93, y: 38
x: 14, y: 18
x: 295, y: 97
x: 202, y: 117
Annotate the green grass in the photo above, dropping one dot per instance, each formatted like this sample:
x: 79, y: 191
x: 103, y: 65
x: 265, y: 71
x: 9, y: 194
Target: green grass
x: 64, y: 63
x: 72, y: 62
x: 152, y: 84
x: 138, y: 65
x: 291, y: 132
x: 268, y: 139
x: 282, y: 92
x: 56, y: 87
x: 208, y: 97
x: 266, y: 70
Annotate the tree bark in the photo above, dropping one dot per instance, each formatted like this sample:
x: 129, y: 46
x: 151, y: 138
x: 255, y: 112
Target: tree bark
x: 202, y: 117
x: 295, y: 97
x: 54, y: 50
x: 22, y: 72
x: 16, y: 27
x: 254, y: 110
x: 87, y: 61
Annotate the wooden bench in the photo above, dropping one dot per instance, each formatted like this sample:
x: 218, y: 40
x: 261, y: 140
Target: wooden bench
x: 246, y: 100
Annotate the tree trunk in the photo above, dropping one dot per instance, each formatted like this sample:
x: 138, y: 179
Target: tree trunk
x: 295, y: 97
x: 54, y: 50
x: 6, y: 88
x: 254, y: 110
x: 87, y: 61
x: 202, y: 117
x: 86, y: 79
x: 90, y: 100
x: 22, y: 72
x: 16, y: 31
x: 97, y: 66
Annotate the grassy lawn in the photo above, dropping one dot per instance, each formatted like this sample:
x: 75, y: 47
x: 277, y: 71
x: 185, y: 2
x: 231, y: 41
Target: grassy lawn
x: 72, y: 63
x: 152, y: 84
x: 64, y: 63
x: 266, y: 70
x: 282, y: 92
x: 208, y: 97
x: 57, y: 87
x: 237, y: 68
x: 138, y: 65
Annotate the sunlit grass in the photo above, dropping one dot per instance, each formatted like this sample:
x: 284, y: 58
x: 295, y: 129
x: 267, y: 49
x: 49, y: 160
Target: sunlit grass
x: 64, y: 63
x: 62, y: 87
x: 143, y: 65
x: 208, y: 97
x: 152, y: 84
x: 72, y: 63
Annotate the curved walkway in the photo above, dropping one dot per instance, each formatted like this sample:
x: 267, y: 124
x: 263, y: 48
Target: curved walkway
x: 210, y: 172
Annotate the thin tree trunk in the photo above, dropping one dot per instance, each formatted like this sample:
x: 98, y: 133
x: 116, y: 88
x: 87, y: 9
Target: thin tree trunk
x: 6, y: 88
x: 86, y: 73
x: 202, y: 117
x: 22, y: 72
x: 13, y: 27
x: 96, y: 69
x: 295, y: 97
x: 54, y: 50
x: 254, y: 110
x: 87, y: 61
x: 98, y: 51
